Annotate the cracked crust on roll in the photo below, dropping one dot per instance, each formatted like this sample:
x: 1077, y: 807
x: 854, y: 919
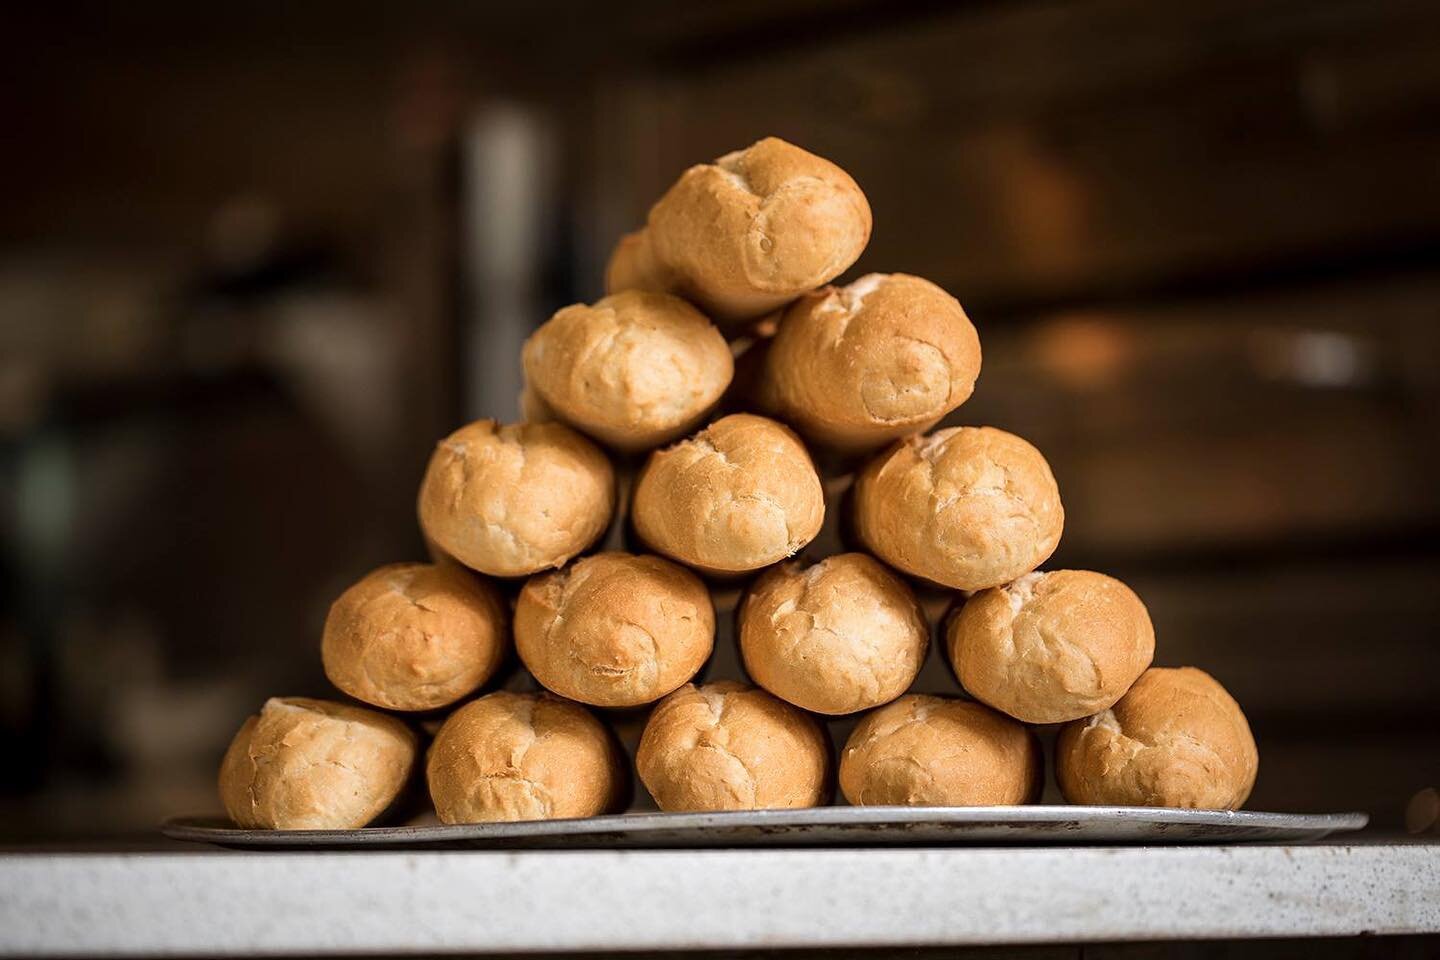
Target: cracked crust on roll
x: 414, y: 636
x: 858, y: 366
x: 523, y: 756
x: 730, y: 746
x: 937, y: 751
x: 1051, y: 647
x: 838, y: 637
x: 516, y: 499
x: 747, y: 233
x: 634, y: 370
x: 966, y: 507
x: 615, y: 629
x: 302, y: 764
x: 1176, y: 739
x: 739, y: 495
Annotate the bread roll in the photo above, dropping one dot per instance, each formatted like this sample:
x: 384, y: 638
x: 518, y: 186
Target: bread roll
x: 305, y: 764
x: 523, y: 756
x: 843, y: 635
x: 739, y: 495
x: 967, y: 507
x: 414, y: 636
x: 516, y: 499
x: 635, y: 370
x: 747, y: 233
x: 533, y: 409
x: 1176, y: 739
x: 1051, y: 647
x: 858, y: 366
x: 632, y: 266
x: 937, y: 751
x: 615, y: 630
x: 729, y: 746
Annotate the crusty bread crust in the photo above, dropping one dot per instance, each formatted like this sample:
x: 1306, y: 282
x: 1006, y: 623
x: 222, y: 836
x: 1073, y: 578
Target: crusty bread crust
x: 938, y: 751
x: 739, y: 495
x: 1051, y: 647
x: 635, y: 370
x: 415, y: 636
x: 730, y: 746
x: 516, y: 499
x: 523, y: 756
x: 966, y: 507
x: 1176, y: 739
x: 615, y: 629
x: 302, y: 764
x: 747, y: 233
x: 840, y: 636
x: 855, y: 367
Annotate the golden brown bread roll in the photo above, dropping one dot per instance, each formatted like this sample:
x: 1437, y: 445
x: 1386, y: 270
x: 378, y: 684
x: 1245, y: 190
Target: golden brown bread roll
x: 516, y: 499
x: 635, y: 370
x: 967, y: 507
x: 843, y: 635
x: 937, y: 751
x: 523, y: 756
x: 858, y: 366
x: 414, y: 636
x: 533, y: 409
x: 747, y: 233
x: 632, y: 266
x: 1051, y: 647
x: 739, y: 495
x: 304, y: 764
x: 615, y: 630
x: 1176, y: 739
x: 730, y: 746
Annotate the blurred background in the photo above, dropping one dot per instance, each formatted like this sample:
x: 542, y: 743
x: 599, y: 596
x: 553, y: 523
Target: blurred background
x: 254, y: 261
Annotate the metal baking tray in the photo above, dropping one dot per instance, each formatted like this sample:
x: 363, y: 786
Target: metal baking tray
x: 817, y: 826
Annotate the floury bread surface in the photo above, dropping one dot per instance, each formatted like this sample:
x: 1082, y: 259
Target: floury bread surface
x: 739, y: 495
x: 856, y: 367
x: 938, y: 751
x: 747, y: 233
x: 415, y: 636
x: 1176, y: 739
x: 524, y: 756
x: 302, y: 764
x: 634, y: 370
x: 516, y: 499
x: 965, y: 507
x: 731, y: 746
x: 1051, y: 647
x: 615, y: 629
x: 840, y: 636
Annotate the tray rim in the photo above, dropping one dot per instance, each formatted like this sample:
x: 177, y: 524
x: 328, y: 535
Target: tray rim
x: 203, y: 829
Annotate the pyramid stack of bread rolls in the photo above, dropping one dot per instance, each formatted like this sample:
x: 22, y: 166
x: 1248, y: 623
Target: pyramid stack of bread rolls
x: 683, y: 414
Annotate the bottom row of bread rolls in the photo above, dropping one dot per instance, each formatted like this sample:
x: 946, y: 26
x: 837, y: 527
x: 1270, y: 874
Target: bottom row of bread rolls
x: 1176, y: 738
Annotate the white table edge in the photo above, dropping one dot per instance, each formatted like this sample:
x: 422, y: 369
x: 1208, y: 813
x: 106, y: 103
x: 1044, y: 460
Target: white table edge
x: 227, y: 903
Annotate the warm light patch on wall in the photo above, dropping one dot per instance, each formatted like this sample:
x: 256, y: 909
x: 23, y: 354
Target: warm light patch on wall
x: 1083, y: 351
x: 1045, y: 213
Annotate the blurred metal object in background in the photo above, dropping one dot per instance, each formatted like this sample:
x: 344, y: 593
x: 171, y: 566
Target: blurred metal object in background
x: 510, y: 193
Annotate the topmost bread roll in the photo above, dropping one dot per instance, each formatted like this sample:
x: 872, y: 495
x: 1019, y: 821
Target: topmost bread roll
x: 747, y: 233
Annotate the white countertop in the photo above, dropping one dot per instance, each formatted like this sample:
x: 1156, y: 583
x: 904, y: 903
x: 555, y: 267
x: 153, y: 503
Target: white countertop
x: 215, y: 902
